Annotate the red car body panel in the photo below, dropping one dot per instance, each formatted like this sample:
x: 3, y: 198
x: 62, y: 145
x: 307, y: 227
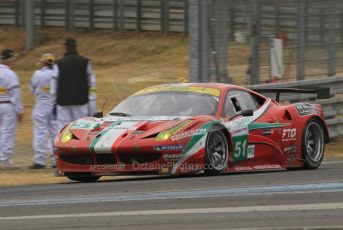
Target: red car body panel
x: 274, y: 140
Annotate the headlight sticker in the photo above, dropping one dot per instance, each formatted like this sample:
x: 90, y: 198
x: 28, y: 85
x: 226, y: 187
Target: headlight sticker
x: 67, y: 134
x: 165, y: 135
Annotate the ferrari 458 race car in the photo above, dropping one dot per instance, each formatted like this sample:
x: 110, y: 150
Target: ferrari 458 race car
x: 193, y: 127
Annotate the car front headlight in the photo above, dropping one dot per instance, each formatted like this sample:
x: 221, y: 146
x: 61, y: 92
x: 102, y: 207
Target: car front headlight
x: 67, y: 135
x: 165, y: 135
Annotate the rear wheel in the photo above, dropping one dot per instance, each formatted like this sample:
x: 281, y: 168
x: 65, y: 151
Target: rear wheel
x: 217, y: 151
x: 313, y: 144
x: 83, y: 177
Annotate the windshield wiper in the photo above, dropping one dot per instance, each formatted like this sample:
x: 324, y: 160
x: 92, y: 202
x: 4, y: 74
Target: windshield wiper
x: 120, y: 114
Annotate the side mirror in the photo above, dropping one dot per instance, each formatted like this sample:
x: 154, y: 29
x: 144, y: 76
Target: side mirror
x: 98, y: 114
x: 247, y: 113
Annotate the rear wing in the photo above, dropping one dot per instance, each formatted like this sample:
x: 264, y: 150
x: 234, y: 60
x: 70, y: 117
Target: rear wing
x: 322, y: 93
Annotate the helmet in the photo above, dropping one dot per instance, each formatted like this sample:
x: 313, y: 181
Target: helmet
x: 48, y: 58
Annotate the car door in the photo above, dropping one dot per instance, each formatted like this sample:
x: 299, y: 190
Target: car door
x: 253, y: 137
x: 236, y: 102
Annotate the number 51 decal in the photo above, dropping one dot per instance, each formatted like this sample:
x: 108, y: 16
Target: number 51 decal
x: 240, y: 142
x: 240, y: 148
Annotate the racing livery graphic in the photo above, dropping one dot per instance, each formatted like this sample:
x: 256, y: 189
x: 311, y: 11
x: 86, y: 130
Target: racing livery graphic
x: 190, y: 128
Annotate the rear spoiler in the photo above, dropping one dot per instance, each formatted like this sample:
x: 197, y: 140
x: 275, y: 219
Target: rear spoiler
x: 322, y: 93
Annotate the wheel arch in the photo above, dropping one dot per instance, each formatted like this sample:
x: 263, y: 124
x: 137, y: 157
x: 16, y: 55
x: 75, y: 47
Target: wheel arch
x: 217, y: 127
x: 309, y: 162
x: 228, y: 135
x: 325, y: 129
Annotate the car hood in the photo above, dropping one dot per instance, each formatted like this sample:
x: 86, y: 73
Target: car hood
x: 116, y: 126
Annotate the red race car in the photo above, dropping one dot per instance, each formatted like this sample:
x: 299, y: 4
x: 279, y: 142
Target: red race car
x: 194, y: 127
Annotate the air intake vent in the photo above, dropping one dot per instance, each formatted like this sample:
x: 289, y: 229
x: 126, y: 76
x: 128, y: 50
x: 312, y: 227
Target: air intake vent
x: 139, y: 158
x: 77, y: 159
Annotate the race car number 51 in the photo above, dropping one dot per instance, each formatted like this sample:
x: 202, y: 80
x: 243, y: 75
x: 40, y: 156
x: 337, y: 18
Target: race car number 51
x: 240, y: 150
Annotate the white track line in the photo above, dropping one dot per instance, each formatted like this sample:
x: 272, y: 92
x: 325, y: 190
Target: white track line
x: 268, y: 208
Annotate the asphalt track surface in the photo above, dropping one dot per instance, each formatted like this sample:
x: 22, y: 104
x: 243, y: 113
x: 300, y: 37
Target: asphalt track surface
x: 299, y: 199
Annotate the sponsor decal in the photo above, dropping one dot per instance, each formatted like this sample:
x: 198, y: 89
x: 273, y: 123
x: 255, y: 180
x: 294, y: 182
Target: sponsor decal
x: 171, y: 156
x: 122, y: 127
x: 242, y: 121
x: 242, y: 168
x: 265, y: 126
x: 305, y: 109
x: 289, y: 134
x: 168, y: 147
x: 268, y: 166
x: 251, y: 151
x: 290, y: 149
x: 267, y: 132
x: 239, y: 131
x: 190, y: 133
x: 290, y: 158
x: 290, y: 152
x: 257, y: 167
x: 119, y: 166
x: 93, y: 133
x: 138, y: 132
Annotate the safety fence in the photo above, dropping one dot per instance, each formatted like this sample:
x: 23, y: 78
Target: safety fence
x: 238, y: 37
x: 333, y: 107
x: 235, y: 37
x: 155, y: 15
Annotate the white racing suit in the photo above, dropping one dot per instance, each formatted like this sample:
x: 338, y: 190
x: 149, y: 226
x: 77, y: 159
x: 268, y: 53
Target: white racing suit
x: 10, y: 107
x: 66, y: 114
x: 92, y: 98
x: 43, y: 116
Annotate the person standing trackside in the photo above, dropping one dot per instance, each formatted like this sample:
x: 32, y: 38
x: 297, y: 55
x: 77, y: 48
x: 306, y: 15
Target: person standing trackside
x: 11, y: 108
x: 92, y: 99
x: 73, y: 78
x: 44, y: 113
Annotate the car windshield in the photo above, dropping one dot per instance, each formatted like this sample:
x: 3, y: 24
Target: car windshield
x: 167, y: 104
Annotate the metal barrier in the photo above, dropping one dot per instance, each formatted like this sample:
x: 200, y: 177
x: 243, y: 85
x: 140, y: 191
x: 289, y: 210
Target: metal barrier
x: 333, y: 107
x: 154, y: 15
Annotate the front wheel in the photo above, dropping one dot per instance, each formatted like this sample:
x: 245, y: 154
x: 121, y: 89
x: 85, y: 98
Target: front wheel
x: 217, y: 151
x: 312, y: 146
x: 83, y: 177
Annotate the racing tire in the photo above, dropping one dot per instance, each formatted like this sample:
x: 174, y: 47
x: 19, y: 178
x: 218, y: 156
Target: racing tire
x: 216, y: 151
x: 86, y: 178
x: 313, y: 144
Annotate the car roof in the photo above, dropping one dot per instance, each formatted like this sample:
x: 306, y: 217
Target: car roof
x: 220, y: 86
